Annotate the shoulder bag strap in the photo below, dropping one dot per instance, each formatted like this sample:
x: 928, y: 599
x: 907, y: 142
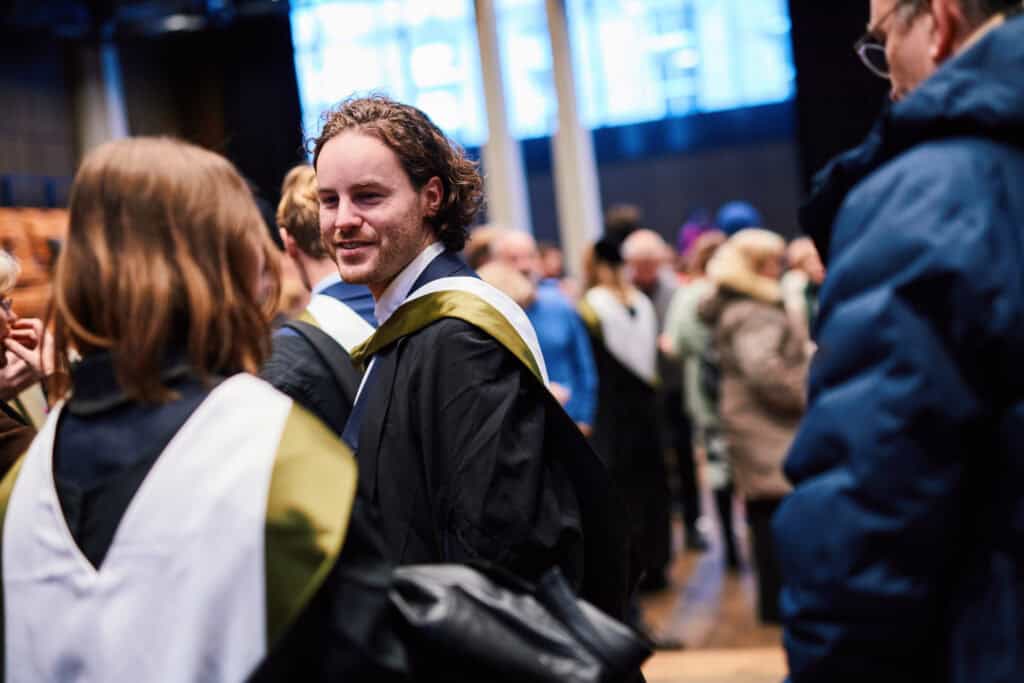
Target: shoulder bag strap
x: 332, y: 355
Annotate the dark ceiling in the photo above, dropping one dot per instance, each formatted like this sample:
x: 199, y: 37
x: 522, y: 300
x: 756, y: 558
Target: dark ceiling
x: 112, y: 19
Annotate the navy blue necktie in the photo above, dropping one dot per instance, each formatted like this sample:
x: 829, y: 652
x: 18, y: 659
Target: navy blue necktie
x: 355, y: 418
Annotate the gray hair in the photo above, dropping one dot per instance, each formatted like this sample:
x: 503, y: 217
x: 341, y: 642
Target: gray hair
x: 9, y: 272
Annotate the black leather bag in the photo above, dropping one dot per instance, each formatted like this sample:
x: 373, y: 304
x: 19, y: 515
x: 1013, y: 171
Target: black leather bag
x: 469, y: 624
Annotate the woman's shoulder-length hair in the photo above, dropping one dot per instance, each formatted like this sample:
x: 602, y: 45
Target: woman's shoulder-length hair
x: 166, y: 254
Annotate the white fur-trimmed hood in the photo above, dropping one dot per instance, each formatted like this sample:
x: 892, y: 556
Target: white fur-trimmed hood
x: 732, y: 266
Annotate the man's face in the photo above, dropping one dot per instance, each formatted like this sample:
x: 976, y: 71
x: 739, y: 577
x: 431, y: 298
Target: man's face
x: 644, y: 271
x: 552, y: 264
x: 519, y: 251
x: 907, y: 35
x: 373, y: 221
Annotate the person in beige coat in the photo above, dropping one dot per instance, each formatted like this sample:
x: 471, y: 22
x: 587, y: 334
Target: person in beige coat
x: 763, y: 362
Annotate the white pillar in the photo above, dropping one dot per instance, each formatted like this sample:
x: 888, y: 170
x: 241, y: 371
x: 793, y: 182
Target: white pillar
x: 576, y: 188
x: 505, y: 182
x: 99, y: 97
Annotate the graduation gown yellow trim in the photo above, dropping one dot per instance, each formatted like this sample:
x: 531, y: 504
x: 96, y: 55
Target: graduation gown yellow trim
x: 310, y: 500
x: 589, y: 317
x: 418, y: 313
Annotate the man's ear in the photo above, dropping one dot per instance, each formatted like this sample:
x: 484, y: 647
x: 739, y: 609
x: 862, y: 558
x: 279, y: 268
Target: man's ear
x: 950, y: 27
x: 432, y: 194
x: 290, y: 247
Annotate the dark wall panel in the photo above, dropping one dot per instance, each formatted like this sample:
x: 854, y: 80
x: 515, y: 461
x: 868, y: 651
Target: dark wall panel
x: 36, y: 124
x: 232, y: 90
x: 837, y: 97
x: 262, y: 116
x: 668, y: 188
x: 670, y: 168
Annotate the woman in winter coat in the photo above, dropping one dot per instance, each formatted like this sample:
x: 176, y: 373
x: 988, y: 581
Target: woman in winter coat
x: 763, y: 360
x: 690, y: 341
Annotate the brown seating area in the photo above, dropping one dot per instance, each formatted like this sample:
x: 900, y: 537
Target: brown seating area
x: 28, y: 234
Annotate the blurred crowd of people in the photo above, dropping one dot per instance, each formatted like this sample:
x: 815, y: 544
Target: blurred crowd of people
x: 670, y: 357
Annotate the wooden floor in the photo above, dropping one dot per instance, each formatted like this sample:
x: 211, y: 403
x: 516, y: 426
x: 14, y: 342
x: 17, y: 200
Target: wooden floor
x: 712, y: 611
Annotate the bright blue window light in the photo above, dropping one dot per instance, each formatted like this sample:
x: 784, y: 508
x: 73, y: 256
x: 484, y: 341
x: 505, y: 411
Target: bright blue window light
x: 422, y: 53
x: 635, y: 60
x: 645, y: 60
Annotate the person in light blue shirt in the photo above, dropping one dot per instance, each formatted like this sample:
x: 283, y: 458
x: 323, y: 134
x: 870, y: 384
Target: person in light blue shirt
x: 562, y: 336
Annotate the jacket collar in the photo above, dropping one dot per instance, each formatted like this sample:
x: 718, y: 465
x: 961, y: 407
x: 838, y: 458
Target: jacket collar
x: 405, y: 282
x: 96, y: 389
x: 446, y: 264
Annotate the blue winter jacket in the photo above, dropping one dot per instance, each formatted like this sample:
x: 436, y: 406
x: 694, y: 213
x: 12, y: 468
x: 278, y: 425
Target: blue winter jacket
x: 902, y: 546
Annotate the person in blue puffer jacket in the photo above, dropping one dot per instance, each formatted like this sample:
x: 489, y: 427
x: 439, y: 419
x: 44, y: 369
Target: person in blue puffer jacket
x: 902, y: 545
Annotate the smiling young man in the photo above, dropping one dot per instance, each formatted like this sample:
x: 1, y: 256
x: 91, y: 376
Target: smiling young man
x: 902, y: 545
x: 460, y: 443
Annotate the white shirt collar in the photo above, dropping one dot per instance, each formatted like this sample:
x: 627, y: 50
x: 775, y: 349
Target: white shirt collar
x: 399, y: 289
x: 329, y: 281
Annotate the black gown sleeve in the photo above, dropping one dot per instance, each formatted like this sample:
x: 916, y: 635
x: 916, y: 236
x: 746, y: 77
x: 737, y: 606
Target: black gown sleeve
x: 296, y: 369
x: 481, y: 419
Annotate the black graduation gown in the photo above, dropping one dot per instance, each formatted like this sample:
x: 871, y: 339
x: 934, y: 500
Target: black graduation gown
x: 320, y: 379
x: 627, y: 436
x: 324, y: 386
x: 469, y: 458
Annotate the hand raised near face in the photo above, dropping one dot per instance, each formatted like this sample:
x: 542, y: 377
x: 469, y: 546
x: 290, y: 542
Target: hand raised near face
x: 28, y: 341
x: 26, y: 331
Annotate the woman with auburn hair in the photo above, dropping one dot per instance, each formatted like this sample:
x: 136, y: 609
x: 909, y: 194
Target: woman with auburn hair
x: 178, y: 519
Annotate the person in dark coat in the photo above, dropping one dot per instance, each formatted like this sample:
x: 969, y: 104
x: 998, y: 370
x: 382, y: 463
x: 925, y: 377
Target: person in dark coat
x: 623, y: 327
x: 460, y: 443
x: 647, y: 257
x: 902, y: 545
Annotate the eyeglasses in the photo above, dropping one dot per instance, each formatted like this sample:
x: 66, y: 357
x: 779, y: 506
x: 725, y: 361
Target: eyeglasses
x: 872, y: 53
x: 871, y: 48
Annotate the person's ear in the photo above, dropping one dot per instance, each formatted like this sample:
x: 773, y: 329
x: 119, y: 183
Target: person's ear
x: 949, y: 28
x: 290, y: 247
x: 431, y: 196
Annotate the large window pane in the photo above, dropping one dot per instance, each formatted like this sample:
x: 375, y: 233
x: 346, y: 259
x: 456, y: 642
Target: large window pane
x: 641, y: 60
x: 635, y: 60
x: 526, y: 67
x: 422, y: 53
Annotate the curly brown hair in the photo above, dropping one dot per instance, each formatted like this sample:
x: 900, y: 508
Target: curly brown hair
x: 424, y: 152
